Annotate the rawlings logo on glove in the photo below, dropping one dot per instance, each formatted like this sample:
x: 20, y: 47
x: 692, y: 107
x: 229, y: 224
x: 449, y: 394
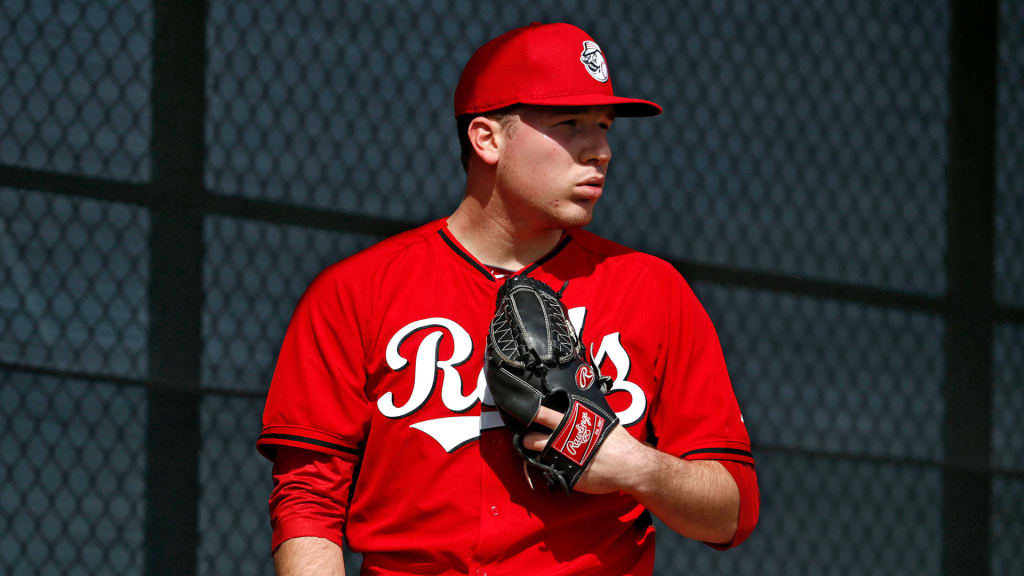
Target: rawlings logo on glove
x: 587, y: 428
x: 534, y: 359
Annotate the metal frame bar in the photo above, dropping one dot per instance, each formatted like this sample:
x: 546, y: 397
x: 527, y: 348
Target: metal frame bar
x: 967, y: 392
x: 175, y: 287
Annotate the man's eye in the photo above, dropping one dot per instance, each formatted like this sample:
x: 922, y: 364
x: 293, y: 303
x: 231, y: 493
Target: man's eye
x: 570, y: 122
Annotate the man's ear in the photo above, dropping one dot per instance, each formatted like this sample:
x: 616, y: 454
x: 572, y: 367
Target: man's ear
x: 486, y: 136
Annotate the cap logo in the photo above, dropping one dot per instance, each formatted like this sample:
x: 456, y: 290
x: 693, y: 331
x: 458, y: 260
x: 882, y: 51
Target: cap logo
x: 593, y: 61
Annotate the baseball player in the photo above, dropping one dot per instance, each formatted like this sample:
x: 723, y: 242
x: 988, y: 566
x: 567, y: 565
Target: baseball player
x: 379, y: 419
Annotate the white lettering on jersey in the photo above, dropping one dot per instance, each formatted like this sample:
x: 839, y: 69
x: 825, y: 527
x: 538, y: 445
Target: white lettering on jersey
x: 611, y: 349
x: 427, y: 365
x: 454, y: 431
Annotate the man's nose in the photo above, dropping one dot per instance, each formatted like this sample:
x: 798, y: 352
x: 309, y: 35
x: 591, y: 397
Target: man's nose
x: 597, y: 149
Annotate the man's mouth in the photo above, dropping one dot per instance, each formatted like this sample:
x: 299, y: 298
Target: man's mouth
x: 591, y: 187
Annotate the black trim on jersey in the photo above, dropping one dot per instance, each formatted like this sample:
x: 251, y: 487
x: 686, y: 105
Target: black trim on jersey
x: 465, y: 256
x: 746, y: 453
x: 295, y: 438
x: 554, y: 252
x: 466, y: 443
x: 547, y: 257
x: 733, y: 460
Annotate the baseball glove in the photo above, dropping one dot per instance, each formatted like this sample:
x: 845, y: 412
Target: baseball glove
x: 534, y: 358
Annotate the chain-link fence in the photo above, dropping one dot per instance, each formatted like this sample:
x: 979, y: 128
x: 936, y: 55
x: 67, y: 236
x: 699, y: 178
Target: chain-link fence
x: 800, y: 177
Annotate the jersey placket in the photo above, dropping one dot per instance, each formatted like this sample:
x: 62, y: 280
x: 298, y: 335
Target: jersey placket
x: 494, y: 505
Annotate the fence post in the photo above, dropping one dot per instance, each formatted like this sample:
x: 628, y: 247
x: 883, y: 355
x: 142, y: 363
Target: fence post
x: 967, y: 492
x: 175, y: 287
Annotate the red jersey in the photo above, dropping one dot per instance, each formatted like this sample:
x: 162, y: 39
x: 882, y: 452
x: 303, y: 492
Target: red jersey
x: 382, y: 366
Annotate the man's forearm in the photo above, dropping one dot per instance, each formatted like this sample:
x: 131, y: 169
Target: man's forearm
x: 309, y: 556
x: 697, y: 498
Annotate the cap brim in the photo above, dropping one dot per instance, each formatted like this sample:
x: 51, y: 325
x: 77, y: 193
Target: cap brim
x: 624, y: 107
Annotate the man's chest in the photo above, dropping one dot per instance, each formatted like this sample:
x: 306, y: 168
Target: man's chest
x: 425, y: 366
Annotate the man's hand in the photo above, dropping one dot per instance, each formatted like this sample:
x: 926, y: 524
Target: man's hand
x: 614, y: 466
x: 698, y: 499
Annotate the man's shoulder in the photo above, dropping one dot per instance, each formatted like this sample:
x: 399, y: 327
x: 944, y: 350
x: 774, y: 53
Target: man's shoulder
x: 622, y: 257
x: 383, y: 253
x: 397, y: 254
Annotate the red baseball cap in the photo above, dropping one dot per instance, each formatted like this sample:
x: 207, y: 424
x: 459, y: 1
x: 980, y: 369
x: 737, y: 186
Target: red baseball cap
x: 545, y: 65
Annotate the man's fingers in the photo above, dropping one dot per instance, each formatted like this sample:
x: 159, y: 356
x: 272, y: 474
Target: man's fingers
x: 548, y: 417
x: 545, y: 417
x: 535, y: 441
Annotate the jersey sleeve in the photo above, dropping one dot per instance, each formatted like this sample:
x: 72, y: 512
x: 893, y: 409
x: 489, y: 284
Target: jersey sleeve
x: 696, y: 415
x: 750, y: 502
x: 309, y: 496
x: 317, y: 399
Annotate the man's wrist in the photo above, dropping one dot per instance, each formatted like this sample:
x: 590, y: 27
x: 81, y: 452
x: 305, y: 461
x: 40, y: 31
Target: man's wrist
x: 641, y: 470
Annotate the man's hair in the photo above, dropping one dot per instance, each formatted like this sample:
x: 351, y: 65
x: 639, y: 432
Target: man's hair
x: 503, y: 116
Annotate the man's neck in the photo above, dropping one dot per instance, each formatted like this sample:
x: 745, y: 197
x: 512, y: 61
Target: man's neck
x: 496, y: 240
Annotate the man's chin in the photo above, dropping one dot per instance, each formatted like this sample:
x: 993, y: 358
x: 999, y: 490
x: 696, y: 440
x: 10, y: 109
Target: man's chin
x: 581, y: 216
x: 576, y: 221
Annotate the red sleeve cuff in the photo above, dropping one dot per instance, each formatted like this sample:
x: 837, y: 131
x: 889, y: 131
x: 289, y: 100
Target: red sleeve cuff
x: 310, y: 495
x: 750, y: 502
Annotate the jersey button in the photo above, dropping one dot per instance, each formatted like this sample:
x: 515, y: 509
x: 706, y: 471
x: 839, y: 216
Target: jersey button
x: 494, y: 510
x: 481, y: 572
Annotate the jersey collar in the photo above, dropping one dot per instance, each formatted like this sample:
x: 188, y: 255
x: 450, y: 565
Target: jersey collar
x: 461, y: 251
